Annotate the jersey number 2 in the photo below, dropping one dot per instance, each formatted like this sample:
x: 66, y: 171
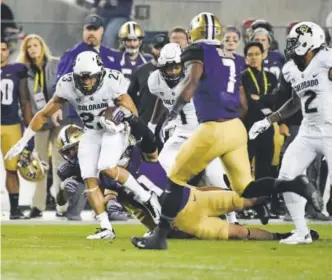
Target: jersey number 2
x: 232, y: 74
x: 7, y: 88
x: 311, y: 96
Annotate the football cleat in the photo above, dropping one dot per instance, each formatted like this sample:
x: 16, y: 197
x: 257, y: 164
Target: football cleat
x: 297, y: 238
x: 155, y: 241
x: 17, y: 215
x: 102, y: 233
x: 153, y: 207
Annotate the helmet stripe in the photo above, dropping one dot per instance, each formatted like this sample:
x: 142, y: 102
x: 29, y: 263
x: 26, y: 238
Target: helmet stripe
x: 206, y: 26
x: 213, y: 27
x: 210, y: 26
x: 132, y: 29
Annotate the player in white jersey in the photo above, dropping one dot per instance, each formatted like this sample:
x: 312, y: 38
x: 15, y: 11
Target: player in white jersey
x: 309, y: 72
x: 161, y: 83
x: 91, y: 89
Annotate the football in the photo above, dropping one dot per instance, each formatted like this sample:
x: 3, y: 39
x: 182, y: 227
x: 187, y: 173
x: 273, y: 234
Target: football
x: 109, y: 113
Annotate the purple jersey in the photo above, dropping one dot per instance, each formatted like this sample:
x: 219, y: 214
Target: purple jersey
x: 11, y: 75
x: 274, y: 62
x: 217, y: 96
x: 129, y: 66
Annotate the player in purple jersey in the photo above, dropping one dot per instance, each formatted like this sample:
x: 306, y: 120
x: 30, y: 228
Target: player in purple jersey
x: 273, y: 60
x: 14, y: 94
x: 211, y: 80
x: 131, y: 35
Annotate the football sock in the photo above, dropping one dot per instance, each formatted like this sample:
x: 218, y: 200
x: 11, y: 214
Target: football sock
x: 261, y: 187
x: 296, y: 207
x: 13, y: 200
x: 140, y: 193
x: 171, y: 205
x: 103, y: 220
x: 231, y: 218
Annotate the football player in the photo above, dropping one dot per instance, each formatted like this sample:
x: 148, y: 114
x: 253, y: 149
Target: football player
x: 161, y: 83
x: 131, y: 35
x: 211, y: 80
x: 14, y: 95
x: 91, y: 90
x: 309, y: 72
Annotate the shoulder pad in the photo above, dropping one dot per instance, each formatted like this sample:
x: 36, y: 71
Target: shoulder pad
x: 192, y: 52
x: 154, y: 81
x: 287, y: 70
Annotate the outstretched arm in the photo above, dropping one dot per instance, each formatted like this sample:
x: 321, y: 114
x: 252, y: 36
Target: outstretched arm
x: 287, y: 110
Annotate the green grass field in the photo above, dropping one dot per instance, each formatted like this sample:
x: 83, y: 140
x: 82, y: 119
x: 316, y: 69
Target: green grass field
x: 62, y: 252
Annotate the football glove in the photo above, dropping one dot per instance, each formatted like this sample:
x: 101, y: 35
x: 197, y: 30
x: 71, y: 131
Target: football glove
x: 258, y: 128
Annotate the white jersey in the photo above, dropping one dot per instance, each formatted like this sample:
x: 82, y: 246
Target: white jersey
x: 91, y: 107
x: 187, y: 121
x: 314, y: 88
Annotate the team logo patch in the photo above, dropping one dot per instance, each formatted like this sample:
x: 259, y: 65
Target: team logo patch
x: 78, y: 100
x: 303, y: 29
x: 91, y: 98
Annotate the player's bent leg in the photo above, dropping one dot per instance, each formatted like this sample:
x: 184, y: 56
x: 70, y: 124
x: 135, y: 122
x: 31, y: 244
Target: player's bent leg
x: 148, y: 199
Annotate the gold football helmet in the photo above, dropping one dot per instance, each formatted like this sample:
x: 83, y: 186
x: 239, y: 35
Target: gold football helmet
x: 130, y: 32
x: 67, y: 142
x: 205, y: 27
x: 31, y: 168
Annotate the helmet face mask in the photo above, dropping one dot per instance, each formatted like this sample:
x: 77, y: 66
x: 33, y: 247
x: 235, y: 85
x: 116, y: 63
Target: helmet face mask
x: 69, y: 153
x: 303, y: 38
x: 87, y: 83
x: 68, y: 141
x: 172, y: 73
x: 170, y: 65
x: 88, y: 72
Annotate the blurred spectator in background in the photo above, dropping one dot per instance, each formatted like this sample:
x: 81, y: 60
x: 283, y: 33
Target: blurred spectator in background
x: 42, y: 69
x: 262, y: 23
x: 246, y: 24
x: 178, y: 35
x: 290, y: 26
x: 258, y: 85
x: 14, y: 94
x: 115, y: 14
x: 10, y: 31
x: 7, y: 20
x: 328, y: 37
x: 138, y: 88
x: 273, y: 60
x: 130, y: 55
x: 92, y: 33
x: 231, y: 42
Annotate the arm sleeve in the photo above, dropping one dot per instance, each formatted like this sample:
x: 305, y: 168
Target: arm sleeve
x: 134, y: 88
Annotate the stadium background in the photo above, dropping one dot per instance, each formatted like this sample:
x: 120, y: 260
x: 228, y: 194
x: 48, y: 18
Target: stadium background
x: 59, y: 22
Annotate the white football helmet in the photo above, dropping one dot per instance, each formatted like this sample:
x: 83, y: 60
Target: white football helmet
x: 87, y: 66
x: 303, y: 38
x: 169, y: 63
